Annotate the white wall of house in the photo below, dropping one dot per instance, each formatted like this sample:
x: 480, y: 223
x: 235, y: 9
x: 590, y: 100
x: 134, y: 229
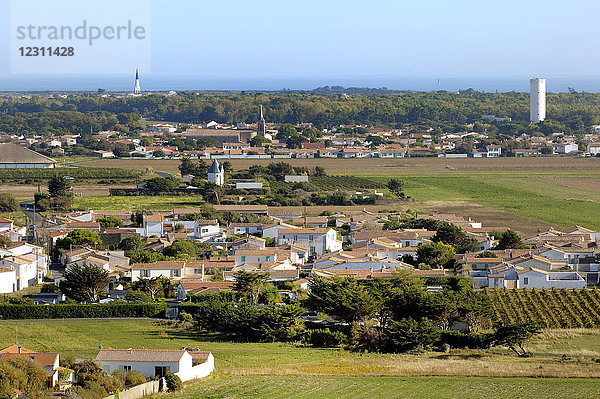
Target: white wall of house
x: 26, y: 272
x: 317, y: 243
x: 148, y: 368
x: 8, y: 281
x: 205, y: 231
x: 199, y: 371
x: 153, y: 229
x: 242, y: 258
x: 535, y: 279
x: 136, y: 274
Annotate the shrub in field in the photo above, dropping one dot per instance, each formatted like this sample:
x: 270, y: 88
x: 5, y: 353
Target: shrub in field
x: 134, y: 378
x: 457, y: 339
x: 173, y: 382
x: 324, y: 338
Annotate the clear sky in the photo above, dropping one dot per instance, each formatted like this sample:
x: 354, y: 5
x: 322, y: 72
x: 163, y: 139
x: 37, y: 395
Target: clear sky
x: 329, y: 38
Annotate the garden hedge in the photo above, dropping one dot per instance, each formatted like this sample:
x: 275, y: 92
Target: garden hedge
x: 71, y: 311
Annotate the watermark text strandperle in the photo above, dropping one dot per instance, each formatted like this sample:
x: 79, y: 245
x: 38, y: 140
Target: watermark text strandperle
x: 84, y: 31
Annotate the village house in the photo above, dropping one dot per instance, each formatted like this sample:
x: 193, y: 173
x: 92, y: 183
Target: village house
x: 168, y: 269
x: 157, y: 363
x: 318, y: 241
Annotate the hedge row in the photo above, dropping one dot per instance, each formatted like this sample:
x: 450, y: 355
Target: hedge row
x: 77, y: 173
x: 74, y: 310
x: 457, y: 339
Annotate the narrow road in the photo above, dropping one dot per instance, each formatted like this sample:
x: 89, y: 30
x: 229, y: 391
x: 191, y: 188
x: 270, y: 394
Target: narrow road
x: 27, y: 209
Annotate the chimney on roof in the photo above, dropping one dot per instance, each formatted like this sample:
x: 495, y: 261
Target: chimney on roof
x: 19, y: 349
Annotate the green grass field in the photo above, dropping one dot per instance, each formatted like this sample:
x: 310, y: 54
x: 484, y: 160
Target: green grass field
x: 576, y: 201
x: 292, y: 371
x: 388, y: 387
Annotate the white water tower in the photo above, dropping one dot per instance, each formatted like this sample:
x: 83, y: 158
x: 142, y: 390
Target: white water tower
x: 537, y: 100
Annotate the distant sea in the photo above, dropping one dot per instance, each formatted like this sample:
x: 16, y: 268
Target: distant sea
x: 155, y: 82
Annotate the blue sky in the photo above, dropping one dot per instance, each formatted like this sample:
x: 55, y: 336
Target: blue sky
x: 330, y: 38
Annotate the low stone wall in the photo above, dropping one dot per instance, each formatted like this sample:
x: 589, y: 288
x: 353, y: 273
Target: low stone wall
x: 139, y: 391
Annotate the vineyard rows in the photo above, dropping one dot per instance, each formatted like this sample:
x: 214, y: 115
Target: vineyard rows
x: 77, y: 173
x: 552, y: 308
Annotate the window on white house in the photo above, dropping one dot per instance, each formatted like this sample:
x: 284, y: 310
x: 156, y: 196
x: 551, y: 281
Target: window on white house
x: 126, y: 368
x: 525, y: 280
x: 175, y: 273
x: 268, y: 258
x: 145, y: 273
x: 310, y: 237
x: 243, y: 258
x: 197, y: 271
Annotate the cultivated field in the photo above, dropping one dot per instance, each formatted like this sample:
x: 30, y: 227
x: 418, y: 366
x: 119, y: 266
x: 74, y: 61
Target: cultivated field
x: 556, y: 308
x: 80, y: 339
x: 368, y: 166
x: 526, y: 194
x: 387, y: 387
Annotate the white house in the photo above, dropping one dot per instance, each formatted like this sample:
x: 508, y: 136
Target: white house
x: 205, y: 228
x: 169, y: 269
x: 8, y: 280
x: 593, y: 148
x: 255, y: 257
x: 565, y: 148
x: 157, y: 363
x: 272, y: 231
x: 153, y: 225
x: 535, y: 278
x: 295, y: 179
x: 318, y: 240
x: 493, y: 151
x: 246, y: 228
x: 25, y: 267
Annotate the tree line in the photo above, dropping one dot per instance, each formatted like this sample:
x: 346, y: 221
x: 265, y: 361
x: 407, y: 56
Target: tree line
x: 571, y: 112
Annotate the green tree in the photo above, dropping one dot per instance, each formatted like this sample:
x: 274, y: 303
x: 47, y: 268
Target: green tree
x: 180, y: 249
x: 250, y: 285
x: 151, y: 286
x: 515, y: 335
x: 396, y: 187
x: 161, y: 185
x: 210, y: 191
x: 78, y: 238
x: 342, y: 298
x: 131, y: 243
x: 8, y: 203
x: 158, y: 154
x: 320, y: 171
x: 509, y: 239
x: 84, y: 283
x: 5, y: 242
x: 58, y: 186
x: 146, y: 257
x: 408, y: 334
x: 189, y: 167
x: 436, y: 254
x: 258, y: 141
x: 110, y: 221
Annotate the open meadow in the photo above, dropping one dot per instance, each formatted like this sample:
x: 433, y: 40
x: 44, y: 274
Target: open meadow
x: 526, y: 194
x: 290, y: 370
